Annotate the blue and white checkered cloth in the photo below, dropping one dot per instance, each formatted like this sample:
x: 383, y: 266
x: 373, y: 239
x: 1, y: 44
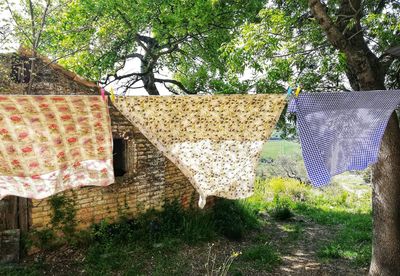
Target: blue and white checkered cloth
x: 341, y: 131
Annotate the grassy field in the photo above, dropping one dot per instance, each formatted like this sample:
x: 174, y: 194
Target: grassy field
x: 276, y: 148
x: 286, y: 228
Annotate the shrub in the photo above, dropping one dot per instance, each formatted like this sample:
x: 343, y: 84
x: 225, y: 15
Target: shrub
x: 367, y: 175
x: 172, y: 222
x: 281, y: 209
x: 292, y: 188
x: 44, y: 239
x: 233, y: 218
x: 63, y: 215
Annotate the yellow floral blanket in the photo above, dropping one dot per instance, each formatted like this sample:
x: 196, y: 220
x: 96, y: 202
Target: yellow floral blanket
x: 53, y: 143
x: 214, y: 140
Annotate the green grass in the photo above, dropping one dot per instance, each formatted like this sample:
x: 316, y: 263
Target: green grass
x: 234, y: 218
x: 17, y: 270
x: 158, y: 236
x: 349, y: 213
x: 264, y: 257
x: 136, y: 259
x: 275, y: 148
x: 294, y: 231
x: 157, y: 242
x: 353, y: 237
x: 152, y: 243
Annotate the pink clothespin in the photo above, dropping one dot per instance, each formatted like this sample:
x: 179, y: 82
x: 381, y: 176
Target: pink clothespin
x: 103, y: 93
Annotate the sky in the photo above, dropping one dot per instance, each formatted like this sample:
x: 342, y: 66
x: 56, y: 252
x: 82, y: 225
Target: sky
x: 130, y: 66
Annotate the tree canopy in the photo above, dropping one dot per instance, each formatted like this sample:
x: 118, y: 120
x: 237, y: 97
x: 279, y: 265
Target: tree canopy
x: 182, y: 36
x: 288, y: 45
x: 226, y: 46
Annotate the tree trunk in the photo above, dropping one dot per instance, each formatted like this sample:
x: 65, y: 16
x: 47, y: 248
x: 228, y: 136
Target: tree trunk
x: 31, y: 74
x: 147, y: 66
x: 149, y: 84
x: 386, y: 204
x: 385, y: 192
x: 366, y: 73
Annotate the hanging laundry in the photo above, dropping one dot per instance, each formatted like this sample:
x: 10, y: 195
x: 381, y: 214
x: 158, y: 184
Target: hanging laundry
x: 341, y: 131
x: 53, y: 143
x: 214, y: 140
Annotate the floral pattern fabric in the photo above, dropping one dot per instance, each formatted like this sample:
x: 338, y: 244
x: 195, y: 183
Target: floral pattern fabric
x: 214, y: 140
x: 53, y: 143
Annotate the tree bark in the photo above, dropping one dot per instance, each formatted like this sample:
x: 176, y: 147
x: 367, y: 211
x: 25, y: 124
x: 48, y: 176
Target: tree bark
x: 367, y: 73
x: 149, y: 84
x: 386, y: 204
x: 147, y: 65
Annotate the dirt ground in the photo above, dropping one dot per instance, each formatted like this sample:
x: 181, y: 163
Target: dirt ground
x: 298, y: 254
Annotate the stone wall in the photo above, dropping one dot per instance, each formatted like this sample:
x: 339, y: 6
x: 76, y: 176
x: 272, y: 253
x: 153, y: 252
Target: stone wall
x: 10, y: 245
x: 150, y: 180
x: 50, y: 78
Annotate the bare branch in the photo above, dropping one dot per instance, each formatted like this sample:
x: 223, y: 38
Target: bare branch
x: 146, y: 39
x: 42, y: 24
x: 27, y: 36
x: 63, y: 56
x: 134, y: 55
x: 175, y: 82
x: 121, y: 77
x: 170, y: 89
x: 32, y: 24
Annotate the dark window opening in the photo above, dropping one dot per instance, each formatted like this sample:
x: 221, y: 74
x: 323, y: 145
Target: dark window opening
x: 119, y: 156
x: 20, y: 71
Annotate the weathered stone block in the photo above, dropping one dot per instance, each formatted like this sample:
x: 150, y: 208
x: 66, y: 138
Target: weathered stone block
x: 9, y: 246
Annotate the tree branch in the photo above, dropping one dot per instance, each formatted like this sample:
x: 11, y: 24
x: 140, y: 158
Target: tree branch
x: 27, y: 36
x: 42, y: 23
x: 170, y: 89
x: 124, y: 18
x: 363, y: 61
x: 146, y: 39
x: 381, y: 5
x: 388, y: 57
x: 175, y: 82
x: 139, y: 38
x: 134, y: 55
x: 121, y: 77
x: 334, y: 35
x: 63, y: 56
x: 32, y: 25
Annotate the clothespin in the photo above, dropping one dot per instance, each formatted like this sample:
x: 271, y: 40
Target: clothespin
x: 289, y: 91
x: 298, y: 91
x: 103, y: 93
x: 112, y: 95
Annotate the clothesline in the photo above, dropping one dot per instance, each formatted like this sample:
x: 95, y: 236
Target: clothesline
x: 53, y: 143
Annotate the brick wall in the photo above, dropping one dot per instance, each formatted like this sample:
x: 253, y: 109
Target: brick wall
x: 150, y: 180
